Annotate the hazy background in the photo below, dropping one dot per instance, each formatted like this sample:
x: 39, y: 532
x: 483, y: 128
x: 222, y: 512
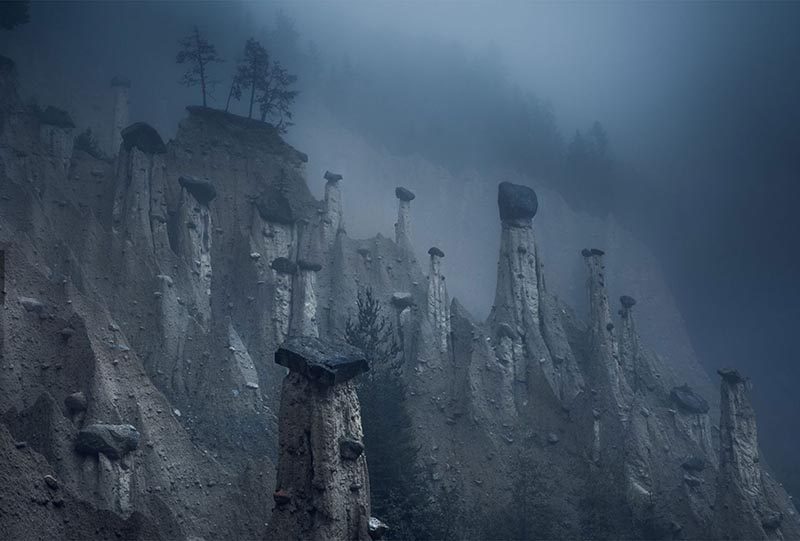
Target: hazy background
x: 699, y: 104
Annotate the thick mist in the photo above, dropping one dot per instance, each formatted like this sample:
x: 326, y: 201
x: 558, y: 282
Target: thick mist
x: 698, y: 105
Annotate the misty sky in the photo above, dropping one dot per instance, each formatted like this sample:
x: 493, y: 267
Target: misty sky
x: 701, y: 99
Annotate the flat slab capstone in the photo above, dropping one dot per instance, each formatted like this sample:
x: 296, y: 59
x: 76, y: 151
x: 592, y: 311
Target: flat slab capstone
x: 114, y: 441
x: 321, y: 361
x: 516, y: 202
x: 202, y: 189
x: 689, y: 400
x: 144, y: 137
x: 404, y: 194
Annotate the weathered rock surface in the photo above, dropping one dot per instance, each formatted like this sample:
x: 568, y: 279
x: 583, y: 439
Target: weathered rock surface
x: 114, y: 441
x: 122, y: 254
x: 319, y: 444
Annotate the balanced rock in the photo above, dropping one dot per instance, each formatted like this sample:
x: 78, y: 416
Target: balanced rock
x: 320, y: 361
x: 688, y: 400
x: 436, y: 252
x: 202, y: 189
x: 53, y: 116
x: 144, y: 137
x: 516, y: 202
x: 730, y: 375
x: 694, y: 463
x: 402, y: 300
x: 627, y: 302
x: 114, y: 441
x: 332, y: 177
x: 304, y: 264
x: 283, y: 265
x: 273, y: 206
x: 404, y: 194
x: 76, y: 402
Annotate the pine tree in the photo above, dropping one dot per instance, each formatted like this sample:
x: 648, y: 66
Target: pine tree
x: 276, y: 97
x: 399, y: 493
x: 252, y: 72
x: 198, y: 53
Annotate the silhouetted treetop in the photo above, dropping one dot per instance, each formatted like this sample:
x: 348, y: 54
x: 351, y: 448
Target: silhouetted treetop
x: 197, y: 53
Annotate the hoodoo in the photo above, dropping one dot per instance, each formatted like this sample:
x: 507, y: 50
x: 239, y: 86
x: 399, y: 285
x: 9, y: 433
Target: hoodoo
x: 402, y: 229
x: 522, y: 303
x: 438, y: 302
x: 747, y: 505
x: 332, y: 212
x: 322, y: 487
x: 120, y: 87
x: 603, y: 341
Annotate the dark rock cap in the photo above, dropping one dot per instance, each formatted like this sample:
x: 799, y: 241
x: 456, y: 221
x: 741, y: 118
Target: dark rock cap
x: 120, y: 81
x: 402, y: 300
x: 404, y: 194
x: 283, y: 265
x: 586, y: 252
x: 144, y: 137
x: 505, y: 330
x: 332, y: 177
x: 53, y: 116
x: 114, y: 441
x: 273, y: 206
x: 76, y: 402
x: 627, y: 302
x: 321, y: 361
x: 350, y: 449
x: 772, y: 521
x: 434, y: 251
x: 304, y: 264
x: 687, y: 399
x: 731, y: 376
x: 597, y: 251
x: 516, y: 202
x: 694, y: 463
x: 202, y: 189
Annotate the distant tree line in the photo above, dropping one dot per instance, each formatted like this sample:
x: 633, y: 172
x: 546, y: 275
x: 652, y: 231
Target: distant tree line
x: 263, y: 81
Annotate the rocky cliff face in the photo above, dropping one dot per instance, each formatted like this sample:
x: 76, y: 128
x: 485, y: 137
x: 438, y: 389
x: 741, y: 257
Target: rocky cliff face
x: 145, y: 297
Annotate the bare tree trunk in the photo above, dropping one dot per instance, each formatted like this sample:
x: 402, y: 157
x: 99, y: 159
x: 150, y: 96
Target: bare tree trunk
x: 252, y: 97
x: 230, y: 95
x: 203, y: 82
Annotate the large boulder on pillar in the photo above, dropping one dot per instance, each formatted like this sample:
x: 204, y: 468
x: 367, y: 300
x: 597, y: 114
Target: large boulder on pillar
x: 322, y: 487
x: 319, y: 361
x: 404, y: 194
x: 689, y: 400
x: 201, y: 189
x: 114, y: 441
x: 144, y: 137
x: 516, y: 202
